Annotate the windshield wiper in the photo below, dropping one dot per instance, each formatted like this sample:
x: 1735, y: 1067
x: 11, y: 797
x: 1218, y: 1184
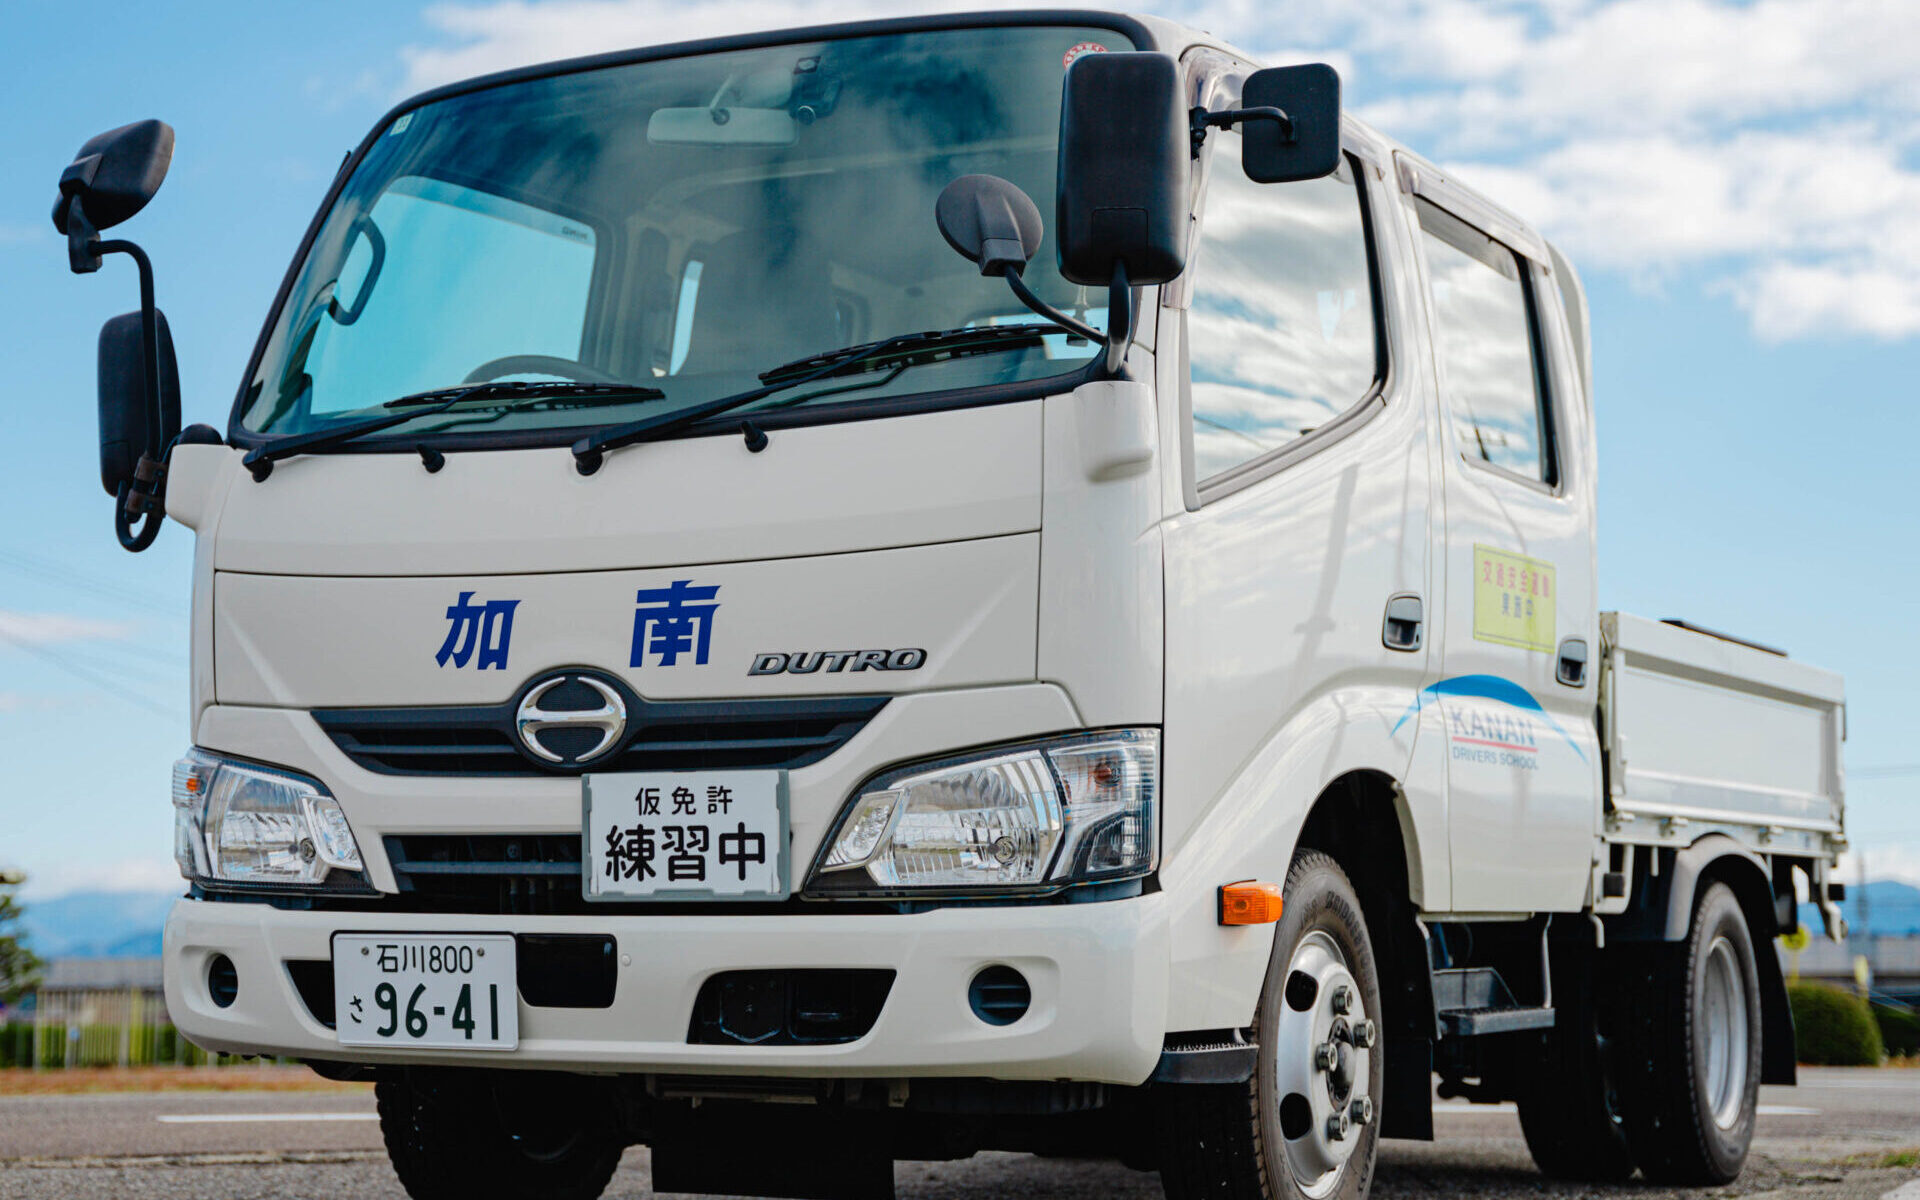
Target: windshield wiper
x: 916, y: 348
x: 259, y: 460
x: 539, y: 389
x: 909, y: 349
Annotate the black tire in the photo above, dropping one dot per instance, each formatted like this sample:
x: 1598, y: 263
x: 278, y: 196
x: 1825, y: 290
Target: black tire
x: 1228, y: 1142
x: 1569, y: 1098
x: 505, y: 1136
x: 1692, y: 1121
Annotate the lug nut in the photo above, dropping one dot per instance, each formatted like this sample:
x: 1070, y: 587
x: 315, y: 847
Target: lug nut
x: 1337, y: 1127
x: 1325, y: 1057
x: 1343, y: 999
x: 1364, y: 1034
x: 1361, y: 1110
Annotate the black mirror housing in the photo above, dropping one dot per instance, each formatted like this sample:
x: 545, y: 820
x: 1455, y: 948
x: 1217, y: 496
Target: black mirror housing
x: 1125, y: 158
x: 989, y: 221
x: 115, y: 174
x: 124, y: 432
x: 1308, y: 147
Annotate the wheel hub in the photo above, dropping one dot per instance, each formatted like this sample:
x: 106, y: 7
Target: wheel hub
x: 1323, y: 1049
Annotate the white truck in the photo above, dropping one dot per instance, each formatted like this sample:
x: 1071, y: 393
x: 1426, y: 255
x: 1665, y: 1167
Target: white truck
x: 716, y: 626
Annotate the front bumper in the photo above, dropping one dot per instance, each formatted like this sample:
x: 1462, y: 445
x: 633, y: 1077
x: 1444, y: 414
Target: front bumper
x: 1098, y: 971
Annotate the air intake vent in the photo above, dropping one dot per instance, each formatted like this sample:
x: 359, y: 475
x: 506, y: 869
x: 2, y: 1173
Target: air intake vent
x: 678, y: 736
x: 1000, y: 995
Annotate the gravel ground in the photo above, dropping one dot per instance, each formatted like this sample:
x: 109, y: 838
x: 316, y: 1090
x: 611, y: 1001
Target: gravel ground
x: 1826, y: 1139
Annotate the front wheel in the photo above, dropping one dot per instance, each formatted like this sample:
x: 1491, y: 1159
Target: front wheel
x: 506, y: 1136
x: 1305, y: 1127
x: 1695, y: 1122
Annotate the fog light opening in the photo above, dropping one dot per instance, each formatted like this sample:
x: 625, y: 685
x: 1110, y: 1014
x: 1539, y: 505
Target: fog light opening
x: 999, y: 995
x: 223, y: 981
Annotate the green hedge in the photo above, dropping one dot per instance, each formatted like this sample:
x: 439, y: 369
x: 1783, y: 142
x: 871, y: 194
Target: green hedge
x: 1833, y: 1028
x: 1899, y: 1029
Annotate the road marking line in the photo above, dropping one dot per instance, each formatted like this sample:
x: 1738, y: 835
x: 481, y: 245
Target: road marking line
x: 1461, y: 1106
x: 240, y: 1118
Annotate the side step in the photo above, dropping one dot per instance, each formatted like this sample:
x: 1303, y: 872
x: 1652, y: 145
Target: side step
x: 1472, y: 1022
x: 1470, y: 1001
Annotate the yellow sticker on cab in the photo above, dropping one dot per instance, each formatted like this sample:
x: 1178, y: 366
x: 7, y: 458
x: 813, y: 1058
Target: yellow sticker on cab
x: 1513, y: 599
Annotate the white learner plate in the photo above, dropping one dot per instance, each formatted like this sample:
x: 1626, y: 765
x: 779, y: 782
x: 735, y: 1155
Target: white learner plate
x: 685, y: 835
x: 430, y: 991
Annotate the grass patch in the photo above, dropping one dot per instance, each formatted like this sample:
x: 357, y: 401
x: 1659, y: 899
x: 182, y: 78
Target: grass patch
x: 1900, y: 1158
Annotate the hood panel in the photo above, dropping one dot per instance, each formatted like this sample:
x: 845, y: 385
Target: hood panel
x: 824, y: 489
x: 970, y: 606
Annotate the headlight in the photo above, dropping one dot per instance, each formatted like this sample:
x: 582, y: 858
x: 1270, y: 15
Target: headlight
x: 235, y: 823
x: 1037, y: 817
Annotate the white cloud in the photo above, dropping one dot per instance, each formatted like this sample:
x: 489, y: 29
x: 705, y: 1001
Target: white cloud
x: 1765, y: 144
x: 144, y: 874
x: 41, y: 629
x: 1889, y: 860
x: 13, y: 233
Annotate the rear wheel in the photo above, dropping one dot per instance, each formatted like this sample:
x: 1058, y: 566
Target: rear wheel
x: 457, y: 1135
x: 1702, y: 1085
x: 1569, y: 1101
x: 1305, y: 1127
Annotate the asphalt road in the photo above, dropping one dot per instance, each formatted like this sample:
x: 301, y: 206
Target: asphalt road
x: 1824, y: 1139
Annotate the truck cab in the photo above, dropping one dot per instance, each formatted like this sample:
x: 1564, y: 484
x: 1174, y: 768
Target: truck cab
x: 717, y: 624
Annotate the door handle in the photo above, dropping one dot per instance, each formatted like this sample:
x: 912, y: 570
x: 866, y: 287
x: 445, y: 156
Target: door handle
x: 1571, y: 669
x: 1401, y: 629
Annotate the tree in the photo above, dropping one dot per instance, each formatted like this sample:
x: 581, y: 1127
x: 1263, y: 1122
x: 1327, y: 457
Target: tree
x: 19, y: 966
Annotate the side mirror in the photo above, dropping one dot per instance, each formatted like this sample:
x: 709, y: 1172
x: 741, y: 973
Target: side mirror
x: 112, y: 178
x: 1307, y: 144
x: 125, y: 421
x: 109, y: 180
x: 1125, y: 153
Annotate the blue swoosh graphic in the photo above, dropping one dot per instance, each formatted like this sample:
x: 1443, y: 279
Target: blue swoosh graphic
x: 1486, y: 687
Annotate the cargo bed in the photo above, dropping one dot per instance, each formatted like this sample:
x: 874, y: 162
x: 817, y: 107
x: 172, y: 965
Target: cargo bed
x: 1703, y: 733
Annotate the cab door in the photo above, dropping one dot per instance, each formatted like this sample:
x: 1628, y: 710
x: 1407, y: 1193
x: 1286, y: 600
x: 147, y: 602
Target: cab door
x: 1518, y: 655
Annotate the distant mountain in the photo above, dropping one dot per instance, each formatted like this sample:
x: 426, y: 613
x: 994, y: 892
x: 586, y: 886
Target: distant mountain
x: 97, y: 924
x: 1892, y: 908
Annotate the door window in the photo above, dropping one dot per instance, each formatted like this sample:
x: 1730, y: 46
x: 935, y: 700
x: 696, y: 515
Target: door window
x: 1282, y: 330
x: 1486, y: 339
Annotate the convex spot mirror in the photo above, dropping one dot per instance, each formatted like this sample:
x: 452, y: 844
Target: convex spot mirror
x: 1308, y: 145
x: 124, y: 432
x: 990, y: 221
x: 112, y: 177
x: 1125, y: 154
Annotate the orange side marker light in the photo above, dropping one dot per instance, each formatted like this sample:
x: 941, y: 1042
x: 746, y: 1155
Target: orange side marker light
x: 1250, y: 903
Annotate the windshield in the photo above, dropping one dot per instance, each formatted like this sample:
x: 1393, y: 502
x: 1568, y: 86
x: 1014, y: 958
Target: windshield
x: 685, y: 225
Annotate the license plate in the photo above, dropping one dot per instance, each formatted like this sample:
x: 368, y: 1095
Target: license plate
x: 426, y: 990
x: 658, y: 835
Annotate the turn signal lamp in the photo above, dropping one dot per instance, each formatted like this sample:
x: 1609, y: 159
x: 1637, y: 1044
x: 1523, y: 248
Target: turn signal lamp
x: 1250, y: 903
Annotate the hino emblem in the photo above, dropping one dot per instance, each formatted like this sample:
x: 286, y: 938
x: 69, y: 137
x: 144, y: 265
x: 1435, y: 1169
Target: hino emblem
x: 564, y: 735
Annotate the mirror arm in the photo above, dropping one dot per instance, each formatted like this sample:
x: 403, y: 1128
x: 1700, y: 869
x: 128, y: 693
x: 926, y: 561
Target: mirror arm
x: 1200, y: 120
x: 1119, y: 319
x: 1119, y: 314
x: 144, y: 496
x: 1026, y: 296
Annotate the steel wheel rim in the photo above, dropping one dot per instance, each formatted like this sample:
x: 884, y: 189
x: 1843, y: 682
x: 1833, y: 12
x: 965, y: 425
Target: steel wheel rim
x: 1316, y: 1158
x: 1724, y: 1019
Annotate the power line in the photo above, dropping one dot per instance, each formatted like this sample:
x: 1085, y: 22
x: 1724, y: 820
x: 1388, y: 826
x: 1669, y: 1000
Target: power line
x: 65, y: 576
x: 1896, y: 771
x: 88, y: 675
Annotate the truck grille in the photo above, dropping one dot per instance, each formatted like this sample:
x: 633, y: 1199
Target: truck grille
x: 767, y: 734
x: 510, y: 874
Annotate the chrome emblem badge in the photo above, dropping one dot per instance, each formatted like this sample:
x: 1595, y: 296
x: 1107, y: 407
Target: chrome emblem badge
x: 608, y: 718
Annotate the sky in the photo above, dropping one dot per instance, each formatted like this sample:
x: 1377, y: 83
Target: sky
x: 1739, y: 181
